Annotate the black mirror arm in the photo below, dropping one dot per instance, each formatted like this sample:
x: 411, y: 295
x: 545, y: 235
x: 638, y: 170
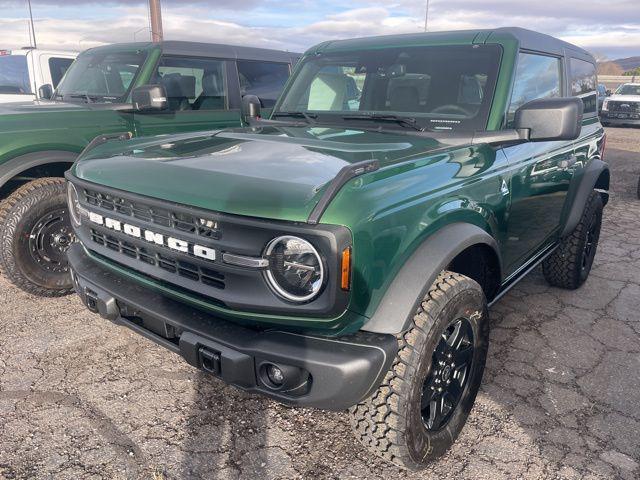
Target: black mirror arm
x: 501, y: 137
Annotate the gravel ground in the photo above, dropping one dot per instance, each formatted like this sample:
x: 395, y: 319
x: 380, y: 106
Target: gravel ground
x: 81, y: 398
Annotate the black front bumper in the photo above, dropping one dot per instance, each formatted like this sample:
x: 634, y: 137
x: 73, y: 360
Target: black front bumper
x: 329, y: 373
x: 605, y: 119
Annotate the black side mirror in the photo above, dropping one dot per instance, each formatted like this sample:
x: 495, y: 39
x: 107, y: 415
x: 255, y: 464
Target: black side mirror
x: 149, y: 98
x: 251, y: 107
x: 609, y: 93
x: 45, y: 92
x: 550, y: 119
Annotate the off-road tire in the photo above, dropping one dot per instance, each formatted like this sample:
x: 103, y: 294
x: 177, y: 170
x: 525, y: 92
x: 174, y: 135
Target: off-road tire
x: 20, y: 211
x: 570, y: 264
x: 390, y: 422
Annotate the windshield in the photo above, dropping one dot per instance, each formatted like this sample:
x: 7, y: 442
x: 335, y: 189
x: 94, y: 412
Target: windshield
x: 104, y: 77
x: 434, y: 87
x: 14, y: 74
x: 628, y: 90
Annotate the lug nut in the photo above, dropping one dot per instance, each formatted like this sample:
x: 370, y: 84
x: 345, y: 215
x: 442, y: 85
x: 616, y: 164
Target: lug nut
x: 275, y: 375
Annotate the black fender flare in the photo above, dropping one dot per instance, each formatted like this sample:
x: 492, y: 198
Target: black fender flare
x: 19, y: 164
x: 587, y: 183
x: 399, y: 303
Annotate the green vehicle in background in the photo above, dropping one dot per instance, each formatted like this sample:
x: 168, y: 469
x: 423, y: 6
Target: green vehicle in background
x: 343, y: 253
x: 39, y: 141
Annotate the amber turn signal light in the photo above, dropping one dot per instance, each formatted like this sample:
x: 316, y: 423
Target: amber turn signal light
x: 345, y: 282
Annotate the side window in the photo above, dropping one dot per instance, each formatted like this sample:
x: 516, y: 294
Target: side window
x: 537, y: 76
x: 58, y: 67
x: 263, y: 79
x: 584, y: 83
x: 193, y: 83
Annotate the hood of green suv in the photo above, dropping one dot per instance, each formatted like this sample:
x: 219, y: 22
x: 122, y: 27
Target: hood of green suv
x: 39, y: 106
x: 270, y: 172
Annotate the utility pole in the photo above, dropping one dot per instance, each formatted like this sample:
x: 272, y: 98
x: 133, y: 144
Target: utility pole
x: 32, y: 29
x: 426, y: 17
x: 155, y: 16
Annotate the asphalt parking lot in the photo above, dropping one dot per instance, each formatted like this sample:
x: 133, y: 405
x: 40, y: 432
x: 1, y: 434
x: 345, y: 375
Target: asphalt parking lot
x: 81, y: 398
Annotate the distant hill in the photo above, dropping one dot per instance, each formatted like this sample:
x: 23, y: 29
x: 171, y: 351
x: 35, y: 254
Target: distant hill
x: 629, y: 63
x: 619, y: 66
x: 609, y: 68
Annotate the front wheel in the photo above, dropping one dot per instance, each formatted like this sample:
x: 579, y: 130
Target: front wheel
x: 35, y: 234
x: 419, y: 409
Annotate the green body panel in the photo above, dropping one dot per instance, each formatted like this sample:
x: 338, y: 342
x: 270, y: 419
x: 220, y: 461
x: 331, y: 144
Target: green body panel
x: 246, y: 173
x: 48, y: 126
x: 518, y: 194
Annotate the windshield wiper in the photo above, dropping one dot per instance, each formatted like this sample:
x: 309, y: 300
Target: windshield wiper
x: 309, y: 117
x: 87, y: 97
x: 383, y: 117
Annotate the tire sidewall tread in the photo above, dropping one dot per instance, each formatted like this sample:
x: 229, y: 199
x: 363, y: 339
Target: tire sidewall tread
x: 390, y: 422
x: 19, y: 207
x: 563, y: 268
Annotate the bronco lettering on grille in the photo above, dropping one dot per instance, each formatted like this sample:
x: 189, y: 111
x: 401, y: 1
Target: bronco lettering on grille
x: 176, y: 244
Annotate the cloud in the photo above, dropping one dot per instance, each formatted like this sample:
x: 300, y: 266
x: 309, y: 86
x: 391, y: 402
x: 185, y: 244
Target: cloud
x: 611, y: 27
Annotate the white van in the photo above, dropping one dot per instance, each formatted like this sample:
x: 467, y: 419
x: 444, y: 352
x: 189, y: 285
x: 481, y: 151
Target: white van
x: 31, y: 73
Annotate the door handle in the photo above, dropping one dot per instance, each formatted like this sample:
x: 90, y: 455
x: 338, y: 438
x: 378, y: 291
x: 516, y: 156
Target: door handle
x: 568, y: 163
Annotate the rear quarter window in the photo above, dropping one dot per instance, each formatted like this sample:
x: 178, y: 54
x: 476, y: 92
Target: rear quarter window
x: 584, y: 83
x: 263, y: 79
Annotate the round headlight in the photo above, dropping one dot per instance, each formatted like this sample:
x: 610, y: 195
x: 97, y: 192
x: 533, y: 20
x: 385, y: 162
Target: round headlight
x: 74, y: 204
x: 296, y: 271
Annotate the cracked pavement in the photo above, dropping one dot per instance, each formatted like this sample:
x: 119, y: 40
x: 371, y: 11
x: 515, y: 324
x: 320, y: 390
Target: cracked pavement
x: 82, y: 398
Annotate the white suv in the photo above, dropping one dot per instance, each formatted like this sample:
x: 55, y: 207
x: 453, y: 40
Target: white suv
x: 31, y: 73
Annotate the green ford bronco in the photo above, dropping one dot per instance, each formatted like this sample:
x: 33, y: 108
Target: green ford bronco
x: 342, y: 254
x: 39, y: 140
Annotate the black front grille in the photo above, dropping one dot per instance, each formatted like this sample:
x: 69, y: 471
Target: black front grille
x: 157, y: 258
x: 180, y: 221
x: 624, y: 107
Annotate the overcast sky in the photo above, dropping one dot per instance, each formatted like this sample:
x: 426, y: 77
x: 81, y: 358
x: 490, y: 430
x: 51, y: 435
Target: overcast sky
x: 610, y: 27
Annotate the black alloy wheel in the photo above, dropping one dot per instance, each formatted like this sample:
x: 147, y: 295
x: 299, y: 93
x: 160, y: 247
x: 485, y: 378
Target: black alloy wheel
x: 35, y: 234
x: 451, y: 363
x: 49, y: 240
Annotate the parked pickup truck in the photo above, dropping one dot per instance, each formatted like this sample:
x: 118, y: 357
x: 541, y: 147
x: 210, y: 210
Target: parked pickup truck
x: 31, y: 73
x: 623, y: 107
x: 102, y: 96
x: 343, y: 253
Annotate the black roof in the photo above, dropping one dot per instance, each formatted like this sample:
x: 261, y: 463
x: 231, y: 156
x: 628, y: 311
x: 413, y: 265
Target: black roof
x: 218, y: 50
x: 174, y: 47
x: 528, y: 40
x: 531, y: 40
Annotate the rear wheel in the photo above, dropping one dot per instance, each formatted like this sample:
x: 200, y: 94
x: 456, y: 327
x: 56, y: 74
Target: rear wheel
x: 35, y: 234
x: 419, y: 409
x: 570, y: 264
